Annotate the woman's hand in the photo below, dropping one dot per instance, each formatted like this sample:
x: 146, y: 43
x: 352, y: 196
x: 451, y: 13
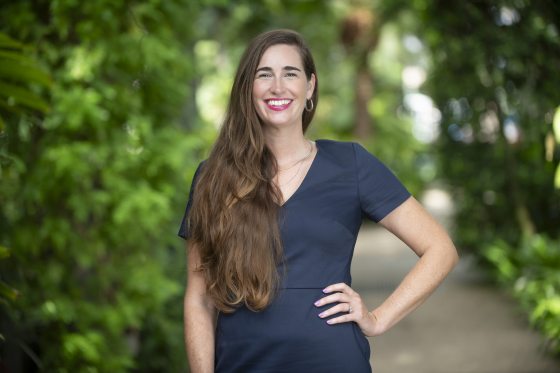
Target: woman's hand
x: 350, y: 303
x: 417, y: 229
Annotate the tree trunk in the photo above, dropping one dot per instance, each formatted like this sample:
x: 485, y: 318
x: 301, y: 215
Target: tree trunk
x: 364, y: 124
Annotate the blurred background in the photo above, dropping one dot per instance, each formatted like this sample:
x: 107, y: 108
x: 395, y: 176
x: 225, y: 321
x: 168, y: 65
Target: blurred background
x: 107, y: 106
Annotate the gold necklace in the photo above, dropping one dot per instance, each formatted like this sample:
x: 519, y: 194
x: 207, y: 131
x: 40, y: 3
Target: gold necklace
x: 300, y: 160
x: 299, y: 168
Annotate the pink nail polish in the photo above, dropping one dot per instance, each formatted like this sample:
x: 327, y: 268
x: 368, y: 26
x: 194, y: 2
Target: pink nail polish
x: 321, y: 314
x: 329, y: 321
x: 317, y: 303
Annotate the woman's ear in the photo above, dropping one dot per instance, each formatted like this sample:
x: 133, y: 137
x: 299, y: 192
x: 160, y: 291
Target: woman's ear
x: 310, y: 86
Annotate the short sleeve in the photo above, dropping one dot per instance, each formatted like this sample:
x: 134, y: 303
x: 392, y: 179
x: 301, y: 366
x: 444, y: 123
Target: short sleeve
x: 379, y: 190
x: 183, y: 229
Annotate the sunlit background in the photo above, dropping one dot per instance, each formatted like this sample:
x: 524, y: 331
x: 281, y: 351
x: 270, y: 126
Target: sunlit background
x: 108, y: 106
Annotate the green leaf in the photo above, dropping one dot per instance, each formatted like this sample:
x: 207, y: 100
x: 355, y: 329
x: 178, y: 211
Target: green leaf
x: 7, y: 292
x: 84, y: 346
x: 546, y: 307
x: 4, y: 252
x: 8, y: 42
x: 22, y: 96
x: 22, y: 71
x: 11, y: 55
x: 557, y: 177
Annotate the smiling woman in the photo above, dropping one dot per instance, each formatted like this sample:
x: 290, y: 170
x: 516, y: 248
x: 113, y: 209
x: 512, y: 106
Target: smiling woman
x: 281, y: 87
x: 281, y: 91
x: 271, y: 224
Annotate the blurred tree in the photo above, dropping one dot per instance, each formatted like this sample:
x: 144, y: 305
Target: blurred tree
x: 360, y: 36
x: 360, y: 32
x: 17, y: 74
x: 495, y: 78
x: 89, y: 191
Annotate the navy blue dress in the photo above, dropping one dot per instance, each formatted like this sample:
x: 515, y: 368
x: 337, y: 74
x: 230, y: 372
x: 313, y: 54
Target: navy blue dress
x: 319, y: 226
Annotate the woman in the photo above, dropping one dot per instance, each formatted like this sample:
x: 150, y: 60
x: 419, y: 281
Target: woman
x: 271, y: 223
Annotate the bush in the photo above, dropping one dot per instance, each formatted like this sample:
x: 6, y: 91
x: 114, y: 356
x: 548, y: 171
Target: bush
x: 92, y: 189
x: 531, y: 271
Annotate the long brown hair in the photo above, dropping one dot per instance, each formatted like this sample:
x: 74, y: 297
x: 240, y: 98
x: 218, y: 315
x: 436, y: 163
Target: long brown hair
x: 234, y: 217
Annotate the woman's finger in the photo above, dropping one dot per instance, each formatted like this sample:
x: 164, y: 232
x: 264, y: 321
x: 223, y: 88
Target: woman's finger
x: 336, y: 297
x: 341, y: 286
x: 341, y: 319
x: 341, y: 307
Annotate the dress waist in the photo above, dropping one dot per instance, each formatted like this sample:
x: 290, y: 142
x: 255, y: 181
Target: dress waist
x: 313, y: 286
x: 302, y: 287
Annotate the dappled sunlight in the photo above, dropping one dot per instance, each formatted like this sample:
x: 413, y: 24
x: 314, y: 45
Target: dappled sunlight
x: 215, y: 83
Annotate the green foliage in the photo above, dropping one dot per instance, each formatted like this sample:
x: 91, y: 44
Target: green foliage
x: 494, y: 77
x: 6, y: 292
x: 18, y: 74
x: 498, y: 98
x: 531, y: 270
x: 92, y: 191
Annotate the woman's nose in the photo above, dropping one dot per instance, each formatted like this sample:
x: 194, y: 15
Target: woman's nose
x: 277, y: 85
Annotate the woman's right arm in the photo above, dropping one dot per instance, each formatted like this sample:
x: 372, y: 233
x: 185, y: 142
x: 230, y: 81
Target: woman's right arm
x: 199, y: 316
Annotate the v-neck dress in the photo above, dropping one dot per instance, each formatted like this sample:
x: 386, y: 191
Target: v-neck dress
x: 319, y: 225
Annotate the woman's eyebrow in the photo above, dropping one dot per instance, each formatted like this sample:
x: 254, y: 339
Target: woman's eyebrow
x: 287, y: 68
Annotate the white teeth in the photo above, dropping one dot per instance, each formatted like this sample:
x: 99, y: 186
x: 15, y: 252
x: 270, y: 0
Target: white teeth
x: 278, y: 102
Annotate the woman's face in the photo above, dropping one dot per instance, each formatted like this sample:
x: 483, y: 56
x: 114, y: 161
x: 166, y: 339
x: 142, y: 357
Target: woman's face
x: 281, y: 89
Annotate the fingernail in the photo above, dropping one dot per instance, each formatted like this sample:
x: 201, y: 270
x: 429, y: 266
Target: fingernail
x: 322, y: 314
x: 329, y: 321
x: 325, y: 290
x: 317, y: 303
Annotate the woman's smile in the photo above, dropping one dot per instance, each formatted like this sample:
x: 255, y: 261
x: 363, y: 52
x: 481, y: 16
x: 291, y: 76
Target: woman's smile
x: 278, y: 104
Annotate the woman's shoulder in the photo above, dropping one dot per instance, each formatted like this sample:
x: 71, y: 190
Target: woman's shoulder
x: 341, y: 153
x: 348, y: 153
x: 339, y: 148
x: 335, y: 145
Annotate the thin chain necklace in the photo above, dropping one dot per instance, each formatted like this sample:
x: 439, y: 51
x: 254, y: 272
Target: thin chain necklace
x: 300, y: 160
x: 298, y: 169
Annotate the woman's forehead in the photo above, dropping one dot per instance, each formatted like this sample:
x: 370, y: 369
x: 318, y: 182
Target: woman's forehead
x: 281, y: 55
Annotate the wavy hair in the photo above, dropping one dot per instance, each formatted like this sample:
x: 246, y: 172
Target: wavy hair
x: 234, y: 217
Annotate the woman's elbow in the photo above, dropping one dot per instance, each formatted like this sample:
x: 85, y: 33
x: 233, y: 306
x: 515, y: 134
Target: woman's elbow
x: 451, y: 256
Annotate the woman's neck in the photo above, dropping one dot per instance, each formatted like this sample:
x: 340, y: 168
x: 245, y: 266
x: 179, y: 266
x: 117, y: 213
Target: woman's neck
x: 287, y: 147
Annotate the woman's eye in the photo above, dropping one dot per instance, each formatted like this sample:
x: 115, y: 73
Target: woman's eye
x: 264, y: 75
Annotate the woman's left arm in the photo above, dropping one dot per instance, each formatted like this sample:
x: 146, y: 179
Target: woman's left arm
x: 411, y: 223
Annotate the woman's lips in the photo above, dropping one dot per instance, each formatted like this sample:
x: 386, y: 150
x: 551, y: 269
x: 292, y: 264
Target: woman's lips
x: 278, y: 104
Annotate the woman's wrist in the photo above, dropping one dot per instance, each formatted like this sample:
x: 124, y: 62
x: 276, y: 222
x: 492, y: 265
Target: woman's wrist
x: 378, y: 325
